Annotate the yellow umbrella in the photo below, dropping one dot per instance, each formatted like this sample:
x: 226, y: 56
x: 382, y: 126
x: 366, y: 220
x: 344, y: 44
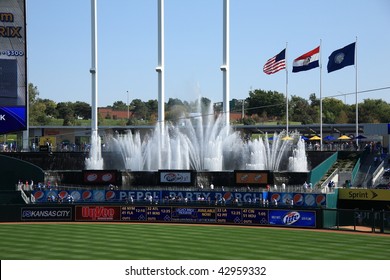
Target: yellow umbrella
x: 315, y: 137
x: 287, y: 138
x: 344, y: 137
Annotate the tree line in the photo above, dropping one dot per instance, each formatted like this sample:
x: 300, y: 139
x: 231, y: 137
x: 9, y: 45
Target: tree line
x: 259, y: 107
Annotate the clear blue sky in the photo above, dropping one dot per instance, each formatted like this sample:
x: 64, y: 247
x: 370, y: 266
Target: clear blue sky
x: 59, y: 47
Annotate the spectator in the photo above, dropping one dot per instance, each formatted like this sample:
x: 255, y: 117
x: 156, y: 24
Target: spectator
x: 69, y: 199
x: 305, y: 186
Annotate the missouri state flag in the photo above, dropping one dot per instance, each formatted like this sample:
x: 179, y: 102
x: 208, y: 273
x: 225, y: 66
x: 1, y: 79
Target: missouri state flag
x: 307, y: 61
x: 341, y: 58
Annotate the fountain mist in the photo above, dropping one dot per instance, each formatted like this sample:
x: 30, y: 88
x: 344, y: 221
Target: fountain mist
x: 207, y: 143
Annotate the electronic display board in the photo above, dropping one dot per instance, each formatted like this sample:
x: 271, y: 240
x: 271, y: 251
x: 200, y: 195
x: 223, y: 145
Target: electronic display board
x: 242, y: 216
x: 13, y: 79
x: 195, y: 214
x: 158, y: 214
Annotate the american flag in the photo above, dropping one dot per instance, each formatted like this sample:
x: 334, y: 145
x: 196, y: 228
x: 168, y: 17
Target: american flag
x: 276, y: 63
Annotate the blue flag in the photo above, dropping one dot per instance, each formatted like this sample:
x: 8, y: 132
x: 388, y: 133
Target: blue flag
x: 341, y: 58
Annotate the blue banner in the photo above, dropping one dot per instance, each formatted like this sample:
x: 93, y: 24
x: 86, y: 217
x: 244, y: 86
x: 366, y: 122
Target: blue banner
x: 217, y: 197
x: 292, y: 218
x: 94, y: 196
x: 225, y: 197
x: 12, y: 119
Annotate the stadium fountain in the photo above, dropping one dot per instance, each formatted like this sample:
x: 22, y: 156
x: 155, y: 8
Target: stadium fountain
x: 206, y: 143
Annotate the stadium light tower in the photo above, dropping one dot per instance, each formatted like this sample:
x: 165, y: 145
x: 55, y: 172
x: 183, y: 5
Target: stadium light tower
x: 93, y: 70
x: 226, y: 63
x: 160, y: 64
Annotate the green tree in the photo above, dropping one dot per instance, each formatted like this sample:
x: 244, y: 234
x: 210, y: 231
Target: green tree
x: 66, y: 112
x: 37, y: 108
x: 331, y: 109
x: 50, y: 107
x: 119, y: 106
x: 314, y: 101
x: 374, y: 111
x: 33, y: 93
x: 271, y: 102
x: 152, y: 106
x: 300, y: 110
x: 82, y: 110
x: 37, y: 114
x: 139, y: 109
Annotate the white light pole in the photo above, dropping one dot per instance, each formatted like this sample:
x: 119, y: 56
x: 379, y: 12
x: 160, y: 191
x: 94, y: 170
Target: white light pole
x: 225, y: 65
x: 93, y: 70
x: 160, y: 63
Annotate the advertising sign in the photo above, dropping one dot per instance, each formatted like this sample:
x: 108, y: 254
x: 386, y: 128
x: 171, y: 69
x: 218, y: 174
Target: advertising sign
x: 251, y: 177
x: 98, y: 213
x: 292, y: 218
x: 299, y: 199
x: 227, y: 197
x: 46, y: 214
x: 100, y: 177
x: 13, y: 80
x: 175, y: 177
x: 364, y: 194
x: 95, y: 195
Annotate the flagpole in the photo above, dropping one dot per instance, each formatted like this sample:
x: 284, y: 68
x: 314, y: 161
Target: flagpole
x: 321, y: 95
x: 286, y: 90
x: 356, y: 96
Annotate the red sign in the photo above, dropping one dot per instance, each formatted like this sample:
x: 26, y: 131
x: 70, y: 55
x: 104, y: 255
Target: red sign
x: 251, y: 177
x: 97, y: 213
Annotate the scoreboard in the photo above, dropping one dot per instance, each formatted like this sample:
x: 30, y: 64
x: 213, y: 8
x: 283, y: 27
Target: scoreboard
x: 242, y: 216
x: 192, y: 214
x: 168, y: 214
x: 141, y: 213
x: 221, y: 215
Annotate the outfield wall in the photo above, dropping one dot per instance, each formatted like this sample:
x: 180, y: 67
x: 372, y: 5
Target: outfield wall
x: 202, y: 214
x: 335, y: 219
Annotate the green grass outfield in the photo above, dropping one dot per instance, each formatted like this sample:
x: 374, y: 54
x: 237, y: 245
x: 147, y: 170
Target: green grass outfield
x: 128, y: 241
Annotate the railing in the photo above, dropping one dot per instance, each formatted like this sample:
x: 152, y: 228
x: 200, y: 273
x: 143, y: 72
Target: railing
x: 378, y: 172
x: 25, y: 197
x: 357, y: 220
x: 325, y: 184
